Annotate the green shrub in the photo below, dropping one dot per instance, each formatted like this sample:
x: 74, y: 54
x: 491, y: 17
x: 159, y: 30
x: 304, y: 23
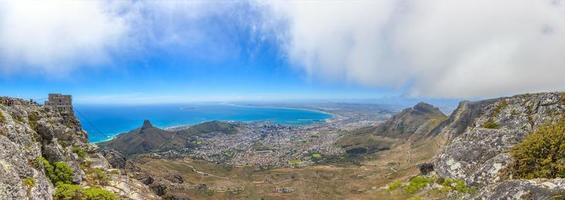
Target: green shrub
x: 316, y: 156
x: 418, y: 183
x: 458, y: 185
x: 541, y: 154
x: 97, y: 193
x: 19, y: 118
x: 38, y: 162
x: 79, y: 151
x: 33, y: 118
x: 394, y: 185
x: 61, y: 173
x: 100, y: 176
x: 499, y: 107
x: 65, y: 191
x: 558, y: 195
x: 2, y: 119
x: 294, y: 162
x: 58, y: 172
x: 490, y: 124
x: 71, y: 192
x: 29, y: 182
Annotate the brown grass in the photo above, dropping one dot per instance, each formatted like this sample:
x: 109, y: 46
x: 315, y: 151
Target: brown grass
x: 314, y: 182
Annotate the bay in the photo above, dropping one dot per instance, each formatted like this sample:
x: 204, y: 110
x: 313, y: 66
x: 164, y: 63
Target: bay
x: 102, y: 122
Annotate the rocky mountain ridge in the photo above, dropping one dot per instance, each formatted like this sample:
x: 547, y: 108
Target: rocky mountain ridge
x: 411, y: 123
x: 40, y: 145
x: 481, y: 135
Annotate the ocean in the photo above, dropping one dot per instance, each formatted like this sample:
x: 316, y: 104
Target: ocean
x: 103, y: 122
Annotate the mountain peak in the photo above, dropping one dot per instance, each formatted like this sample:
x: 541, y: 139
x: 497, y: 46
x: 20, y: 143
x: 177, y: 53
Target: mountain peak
x: 146, y: 124
x: 425, y: 107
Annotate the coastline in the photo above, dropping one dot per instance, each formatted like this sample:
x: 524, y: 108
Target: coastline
x: 331, y: 116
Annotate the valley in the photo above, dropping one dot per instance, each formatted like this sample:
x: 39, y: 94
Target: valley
x: 343, y: 158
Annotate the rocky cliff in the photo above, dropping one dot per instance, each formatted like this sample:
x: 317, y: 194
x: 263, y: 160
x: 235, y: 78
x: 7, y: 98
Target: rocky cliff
x: 481, y: 135
x: 40, y: 146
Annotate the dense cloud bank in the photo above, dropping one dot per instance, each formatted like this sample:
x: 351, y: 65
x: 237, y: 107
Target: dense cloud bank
x: 436, y: 48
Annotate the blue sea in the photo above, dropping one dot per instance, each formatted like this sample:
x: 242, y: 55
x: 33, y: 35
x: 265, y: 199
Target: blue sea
x: 102, y: 122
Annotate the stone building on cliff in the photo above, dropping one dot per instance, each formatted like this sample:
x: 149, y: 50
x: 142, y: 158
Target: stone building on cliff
x: 61, y: 102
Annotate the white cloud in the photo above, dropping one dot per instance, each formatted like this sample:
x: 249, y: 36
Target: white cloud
x: 437, y: 48
x: 54, y: 37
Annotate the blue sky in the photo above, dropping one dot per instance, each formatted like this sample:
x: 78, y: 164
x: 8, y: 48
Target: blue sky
x: 185, y: 51
x: 215, y: 57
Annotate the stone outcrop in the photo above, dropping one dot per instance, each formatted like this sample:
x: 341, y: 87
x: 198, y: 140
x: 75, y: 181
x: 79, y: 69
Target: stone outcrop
x: 525, y: 189
x: 29, y: 132
x: 480, y: 136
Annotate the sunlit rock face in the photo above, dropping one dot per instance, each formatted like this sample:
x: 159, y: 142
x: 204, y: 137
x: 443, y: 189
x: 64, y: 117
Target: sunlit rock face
x: 482, y: 133
x: 29, y: 131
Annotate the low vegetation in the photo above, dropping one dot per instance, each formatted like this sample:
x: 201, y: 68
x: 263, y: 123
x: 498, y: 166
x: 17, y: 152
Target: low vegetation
x: 450, y: 184
x: 316, y: 156
x: 439, y: 186
x: 490, y: 124
x: 61, y: 175
x: 60, y: 172
x: 33, y: 117
x: 394, y: 185
x: 541, y: 154
x: 18, y: 118
x: 79, y: 151
x: 499, y: 107
x: 29, y: 182
x: 294, y: 163
x: 56, y: 172
x: 2, y: 118
x: 70, y: 192
x: 418, y: 183
x: 99, y: 177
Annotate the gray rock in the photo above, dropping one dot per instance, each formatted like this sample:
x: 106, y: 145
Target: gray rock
x: 115, y: 158
x: 525, y: 189
x: 29, y: 131
x: 479, y: 155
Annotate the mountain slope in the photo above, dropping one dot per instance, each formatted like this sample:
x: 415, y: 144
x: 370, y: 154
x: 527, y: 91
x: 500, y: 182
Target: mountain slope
x: 40, y: 146
x: 141, y: 140
x: 151, y: 139
x: 415, y: 122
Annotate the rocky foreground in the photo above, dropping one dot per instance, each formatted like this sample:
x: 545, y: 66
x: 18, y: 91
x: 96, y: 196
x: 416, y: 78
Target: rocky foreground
x: 40, y: 146
x: 481, y: 136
